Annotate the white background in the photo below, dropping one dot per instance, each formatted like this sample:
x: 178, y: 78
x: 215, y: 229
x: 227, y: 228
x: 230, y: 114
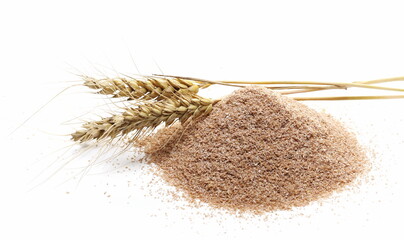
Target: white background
x: 43, y: 42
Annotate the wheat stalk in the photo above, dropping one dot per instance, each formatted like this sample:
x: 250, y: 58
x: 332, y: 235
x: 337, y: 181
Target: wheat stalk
x: 309, y: 85
x: 145, y: 117
x: 337, y: 98
x: 312, y: 86
x: 143, y: 87
x: 174, y: 98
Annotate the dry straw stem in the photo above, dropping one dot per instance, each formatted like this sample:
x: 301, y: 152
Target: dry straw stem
x: 311, y: 86
x: 336, y: 84
x: 377, y: 81
x: 349, y: 98
x: 144, y: 118
x: 143, y: 87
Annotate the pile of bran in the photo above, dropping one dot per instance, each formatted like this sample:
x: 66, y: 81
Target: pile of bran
x: 258, y: 151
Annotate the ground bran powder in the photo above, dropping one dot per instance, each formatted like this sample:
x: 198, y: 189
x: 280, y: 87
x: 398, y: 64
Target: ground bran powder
x: 258, y: 151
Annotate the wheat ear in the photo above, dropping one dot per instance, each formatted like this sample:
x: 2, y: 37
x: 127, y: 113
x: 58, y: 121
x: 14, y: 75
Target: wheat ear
x: 144, y: 87
x: 145, y: 117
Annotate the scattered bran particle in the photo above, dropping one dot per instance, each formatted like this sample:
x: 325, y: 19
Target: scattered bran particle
x: 258, y: 151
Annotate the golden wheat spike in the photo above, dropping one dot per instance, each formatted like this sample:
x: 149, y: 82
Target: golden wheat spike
x: 146, y: 116
x: 144, y: 87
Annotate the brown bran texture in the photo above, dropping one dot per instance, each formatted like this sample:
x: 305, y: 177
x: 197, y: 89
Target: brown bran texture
x: 258, y: 151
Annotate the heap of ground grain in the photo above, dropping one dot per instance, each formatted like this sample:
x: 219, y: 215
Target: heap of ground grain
x: 258, y: 151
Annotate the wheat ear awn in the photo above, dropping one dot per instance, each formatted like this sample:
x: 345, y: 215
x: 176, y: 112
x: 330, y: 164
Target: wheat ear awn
x: 145, y: 117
